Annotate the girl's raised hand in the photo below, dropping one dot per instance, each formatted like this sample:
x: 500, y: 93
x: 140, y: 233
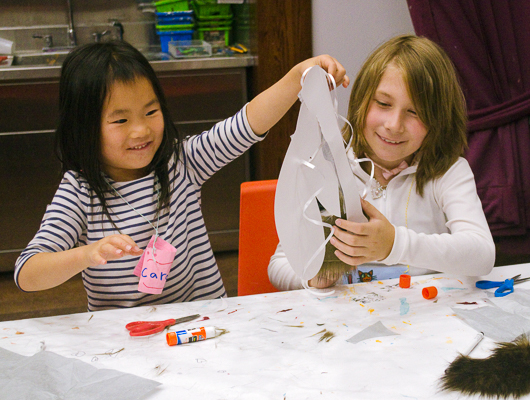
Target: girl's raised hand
x: 359, y: 243
x: 111, y: 248
x: 330, y: 65
x: 267, y: 108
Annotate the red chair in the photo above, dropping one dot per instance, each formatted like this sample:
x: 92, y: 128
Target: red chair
x: 257, y: 237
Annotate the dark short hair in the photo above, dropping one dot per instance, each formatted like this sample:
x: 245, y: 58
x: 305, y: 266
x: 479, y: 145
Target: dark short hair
x: 87, y: 74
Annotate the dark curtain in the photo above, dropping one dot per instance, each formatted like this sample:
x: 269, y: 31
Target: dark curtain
x: 489, y: 43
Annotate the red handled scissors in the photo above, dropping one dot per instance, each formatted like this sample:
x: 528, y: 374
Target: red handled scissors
x: 144, y: 328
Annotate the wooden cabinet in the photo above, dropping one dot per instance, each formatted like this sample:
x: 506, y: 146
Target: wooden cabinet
x: 283, y: 38
x: 30, y: 171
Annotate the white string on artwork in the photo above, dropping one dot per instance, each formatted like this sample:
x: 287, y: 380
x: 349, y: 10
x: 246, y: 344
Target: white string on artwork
x: 141, y: 215
x: 305, y: 283
x: 351, y: 155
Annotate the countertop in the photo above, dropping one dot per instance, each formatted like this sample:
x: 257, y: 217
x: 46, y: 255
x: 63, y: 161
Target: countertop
x: 30, y: 73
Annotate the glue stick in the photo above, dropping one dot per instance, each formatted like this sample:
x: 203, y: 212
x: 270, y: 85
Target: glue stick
x: 191, y: 335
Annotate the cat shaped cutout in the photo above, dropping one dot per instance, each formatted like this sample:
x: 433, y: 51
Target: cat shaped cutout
x: 366, y: 276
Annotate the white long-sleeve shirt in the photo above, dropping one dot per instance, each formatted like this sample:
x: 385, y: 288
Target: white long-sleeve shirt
x: 444, y: 231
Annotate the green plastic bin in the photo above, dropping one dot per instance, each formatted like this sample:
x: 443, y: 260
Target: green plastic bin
x: 179, y: 27
x: 215, y: 23
x: 172, y: 5
x: 209, y: 9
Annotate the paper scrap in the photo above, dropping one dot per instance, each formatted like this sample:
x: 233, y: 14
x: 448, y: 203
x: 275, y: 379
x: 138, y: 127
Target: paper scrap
x: 517, y: 302
x: 373, y: 331
x: 48, y: 375
x: 496, y: 324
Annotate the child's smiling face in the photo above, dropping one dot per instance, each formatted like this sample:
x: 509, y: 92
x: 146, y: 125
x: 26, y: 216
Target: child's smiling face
x: 393, y: 129
x: 132, y: 128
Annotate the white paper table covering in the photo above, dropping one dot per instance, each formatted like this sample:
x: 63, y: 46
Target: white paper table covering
x: 272, y: 349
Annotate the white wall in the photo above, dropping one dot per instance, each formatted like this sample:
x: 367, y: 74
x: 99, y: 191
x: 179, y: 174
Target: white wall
x: 350, y: 29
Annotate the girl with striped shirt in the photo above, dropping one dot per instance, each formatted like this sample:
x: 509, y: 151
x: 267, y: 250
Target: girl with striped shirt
x: 128, y: 175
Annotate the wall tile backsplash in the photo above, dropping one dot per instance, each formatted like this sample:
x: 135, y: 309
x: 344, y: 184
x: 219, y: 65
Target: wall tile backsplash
x: 21, y: 19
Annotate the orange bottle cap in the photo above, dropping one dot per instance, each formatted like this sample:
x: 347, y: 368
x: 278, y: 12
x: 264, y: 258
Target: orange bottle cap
x: 404, y: 281
x: 429, y: 292
x: 171, y: 338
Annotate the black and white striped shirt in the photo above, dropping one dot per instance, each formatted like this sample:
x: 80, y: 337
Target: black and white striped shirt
x: 75, y: 218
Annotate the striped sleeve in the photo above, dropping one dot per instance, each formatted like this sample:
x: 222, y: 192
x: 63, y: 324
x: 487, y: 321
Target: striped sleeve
x: 211, y: 150
x: 63, y: 224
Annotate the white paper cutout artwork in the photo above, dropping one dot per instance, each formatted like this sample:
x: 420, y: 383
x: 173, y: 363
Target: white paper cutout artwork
x: 315, y: 166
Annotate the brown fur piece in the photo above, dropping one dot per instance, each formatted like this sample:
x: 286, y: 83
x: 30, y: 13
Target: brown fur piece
x: 504, y: 374
x: 333, y: 268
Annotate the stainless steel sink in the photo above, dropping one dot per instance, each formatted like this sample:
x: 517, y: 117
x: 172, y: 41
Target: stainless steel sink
x: 57, y: 58
x: 40, y: 59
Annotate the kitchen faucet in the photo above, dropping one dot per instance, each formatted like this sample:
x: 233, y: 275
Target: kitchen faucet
x: 98, y: 35
x: 117, y: 24
x: 72, y: 41
x: 48, y: 41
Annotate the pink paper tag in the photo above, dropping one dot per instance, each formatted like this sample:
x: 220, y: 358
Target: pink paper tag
x: 153, y: 271
x: 138, y: 268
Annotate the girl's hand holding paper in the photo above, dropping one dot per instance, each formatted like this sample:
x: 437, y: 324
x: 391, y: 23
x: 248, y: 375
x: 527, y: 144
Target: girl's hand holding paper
x: 280, y: 97
x: 331, y: 66
x: 361, y: 242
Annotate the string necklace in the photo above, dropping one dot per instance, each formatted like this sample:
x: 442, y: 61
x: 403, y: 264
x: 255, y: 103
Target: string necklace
x: 406, y: 216
x: 141, y: 215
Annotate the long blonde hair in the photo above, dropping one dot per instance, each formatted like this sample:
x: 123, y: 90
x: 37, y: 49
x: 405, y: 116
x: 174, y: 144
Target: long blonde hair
x: 433, y: 87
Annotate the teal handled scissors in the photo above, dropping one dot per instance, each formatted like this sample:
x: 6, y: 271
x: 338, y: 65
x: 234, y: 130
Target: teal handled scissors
x: 504, y: 287
x: 145, y: 328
